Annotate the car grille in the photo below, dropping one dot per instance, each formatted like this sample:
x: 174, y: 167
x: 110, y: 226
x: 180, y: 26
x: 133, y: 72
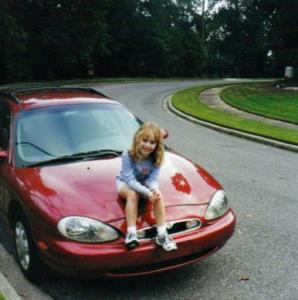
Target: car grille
x: 173, y: 227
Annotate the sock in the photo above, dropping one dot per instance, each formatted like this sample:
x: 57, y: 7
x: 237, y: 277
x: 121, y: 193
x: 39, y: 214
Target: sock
x: 161, y: 229
x: 131, y: 229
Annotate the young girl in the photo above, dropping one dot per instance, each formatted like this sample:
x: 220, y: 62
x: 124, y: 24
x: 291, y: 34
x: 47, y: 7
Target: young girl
x: 139, y: 177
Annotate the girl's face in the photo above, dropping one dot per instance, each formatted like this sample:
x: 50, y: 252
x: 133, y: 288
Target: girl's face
x: 147, y: 145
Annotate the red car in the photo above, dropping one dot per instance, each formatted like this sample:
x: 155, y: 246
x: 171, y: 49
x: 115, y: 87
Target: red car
x: 59, y: 157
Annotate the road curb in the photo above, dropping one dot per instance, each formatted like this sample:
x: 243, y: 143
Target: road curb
x: 7, y: 290
x: 167, y: 105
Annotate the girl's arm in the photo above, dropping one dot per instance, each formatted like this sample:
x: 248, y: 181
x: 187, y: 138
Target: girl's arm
x: 128, y: 176
x: 152, y: 180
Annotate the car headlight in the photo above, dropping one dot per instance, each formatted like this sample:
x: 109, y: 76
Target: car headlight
x: 86, y: 230
x: 218, y: 206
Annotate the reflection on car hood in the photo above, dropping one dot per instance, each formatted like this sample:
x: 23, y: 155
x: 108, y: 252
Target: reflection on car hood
x: 87, y: 188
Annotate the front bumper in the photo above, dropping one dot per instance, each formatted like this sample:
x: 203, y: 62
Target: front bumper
x: 114, y: 260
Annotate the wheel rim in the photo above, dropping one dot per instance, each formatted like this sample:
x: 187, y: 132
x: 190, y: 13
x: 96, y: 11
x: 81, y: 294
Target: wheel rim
x: 22, y: 245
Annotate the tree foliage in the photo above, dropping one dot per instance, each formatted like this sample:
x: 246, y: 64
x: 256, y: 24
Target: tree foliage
x: 254, y: 37
x: 55, y: 39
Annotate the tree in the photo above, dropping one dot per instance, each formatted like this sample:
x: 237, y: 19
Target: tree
x: 13, y: 46
x: 62, y: 35
x: 282, y: 20
x: 156, y: 38
x: 237, y: 42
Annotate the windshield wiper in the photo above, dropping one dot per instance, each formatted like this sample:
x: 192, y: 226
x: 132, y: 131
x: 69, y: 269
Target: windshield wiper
x: 78, y: 156
x: 97, y: 153
x: 35, y: 146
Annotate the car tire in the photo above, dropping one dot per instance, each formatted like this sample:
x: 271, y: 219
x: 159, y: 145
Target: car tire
x: 26, y: 252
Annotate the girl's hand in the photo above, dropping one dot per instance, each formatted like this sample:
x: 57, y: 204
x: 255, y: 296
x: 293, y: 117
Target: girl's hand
x: 154, y: 195
x: 151, y: 196
x: 157, y: 194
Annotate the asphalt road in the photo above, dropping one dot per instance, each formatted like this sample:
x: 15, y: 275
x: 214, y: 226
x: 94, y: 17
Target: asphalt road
x: 259, y: 262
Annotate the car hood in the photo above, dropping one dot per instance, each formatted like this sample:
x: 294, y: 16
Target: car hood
x: 87, y: 188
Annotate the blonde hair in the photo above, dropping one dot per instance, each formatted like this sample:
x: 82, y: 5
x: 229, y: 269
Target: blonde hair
x: 147, y: 129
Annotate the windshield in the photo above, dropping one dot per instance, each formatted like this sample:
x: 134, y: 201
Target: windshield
x: 46, y: 133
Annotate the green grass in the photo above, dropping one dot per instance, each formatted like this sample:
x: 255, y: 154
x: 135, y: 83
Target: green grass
x: 264, y: 100
x: 2, y: 296
x: 189, y: 102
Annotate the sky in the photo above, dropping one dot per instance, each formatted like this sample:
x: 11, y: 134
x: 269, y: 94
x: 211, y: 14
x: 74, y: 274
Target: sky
x: 219, y: 4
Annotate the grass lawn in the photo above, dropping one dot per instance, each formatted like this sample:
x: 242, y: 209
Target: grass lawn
x: 188, y: 101
x: 2, y: 296
x: 265, y: 100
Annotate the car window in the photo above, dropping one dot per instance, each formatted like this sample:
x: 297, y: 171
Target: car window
x: 46, y: 133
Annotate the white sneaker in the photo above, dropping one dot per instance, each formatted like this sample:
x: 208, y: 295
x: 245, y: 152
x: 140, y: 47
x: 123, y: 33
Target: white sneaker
x: 131, y: 240
x: 166, y: 242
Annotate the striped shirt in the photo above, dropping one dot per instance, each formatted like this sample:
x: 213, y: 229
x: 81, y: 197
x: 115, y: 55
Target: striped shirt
x: 141, y: 176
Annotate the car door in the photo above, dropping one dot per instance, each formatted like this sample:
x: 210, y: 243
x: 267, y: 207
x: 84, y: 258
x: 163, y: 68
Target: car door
x: 5, y: 120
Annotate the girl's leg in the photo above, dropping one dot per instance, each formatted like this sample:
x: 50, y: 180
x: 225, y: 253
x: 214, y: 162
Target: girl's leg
x: 131, y: 207
x: 159, y: 212
x: 131, y: 212
x: 163, y: 239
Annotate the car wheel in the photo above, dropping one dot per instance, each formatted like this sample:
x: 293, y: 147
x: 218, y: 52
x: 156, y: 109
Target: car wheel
x: 26, y: 252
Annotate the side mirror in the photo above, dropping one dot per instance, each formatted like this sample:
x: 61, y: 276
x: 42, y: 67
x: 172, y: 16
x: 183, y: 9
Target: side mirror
x: 3, y: 154
x: 165, y: 133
